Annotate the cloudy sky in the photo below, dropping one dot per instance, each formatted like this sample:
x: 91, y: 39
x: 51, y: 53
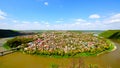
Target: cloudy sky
x: 60, y: 14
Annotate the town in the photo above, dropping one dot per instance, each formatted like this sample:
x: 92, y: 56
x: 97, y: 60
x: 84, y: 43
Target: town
x: 65, y: 42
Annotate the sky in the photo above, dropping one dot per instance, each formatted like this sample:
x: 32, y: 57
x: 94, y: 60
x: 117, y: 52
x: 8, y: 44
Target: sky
x: 60, y: 14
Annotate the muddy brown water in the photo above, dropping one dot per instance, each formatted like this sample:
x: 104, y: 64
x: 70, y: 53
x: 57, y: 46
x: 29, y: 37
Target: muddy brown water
x: 20, y: 60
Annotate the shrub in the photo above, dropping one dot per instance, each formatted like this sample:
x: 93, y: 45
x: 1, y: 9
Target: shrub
x: 18, y: 41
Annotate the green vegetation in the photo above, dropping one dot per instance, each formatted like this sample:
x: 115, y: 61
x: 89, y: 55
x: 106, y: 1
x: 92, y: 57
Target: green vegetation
x: 62, y: 44
x: 13, y: 33
x: 17, y: 41
x: 111, y: 34
x: 6, y: 46
x: 9, y: 33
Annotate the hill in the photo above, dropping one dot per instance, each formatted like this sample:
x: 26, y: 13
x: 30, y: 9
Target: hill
x: 10, y: 33
x: 111, y: 34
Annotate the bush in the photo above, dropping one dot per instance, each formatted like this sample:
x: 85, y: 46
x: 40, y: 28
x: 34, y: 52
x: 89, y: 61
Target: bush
x: 18, y: 41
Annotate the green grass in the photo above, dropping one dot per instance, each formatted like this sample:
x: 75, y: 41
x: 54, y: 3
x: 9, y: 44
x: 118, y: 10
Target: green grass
x: 6, y: 46
x: 111, y: 34
x: 83, y: 54
x: 111, y: 45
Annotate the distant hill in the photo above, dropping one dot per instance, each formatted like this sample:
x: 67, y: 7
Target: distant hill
x: 111, y: 34
x: 11, y: 33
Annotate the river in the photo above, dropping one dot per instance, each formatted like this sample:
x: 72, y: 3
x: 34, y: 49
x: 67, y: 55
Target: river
x: 20, y: 60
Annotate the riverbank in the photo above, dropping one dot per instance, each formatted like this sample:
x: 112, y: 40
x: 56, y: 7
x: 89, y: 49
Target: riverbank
x: 2, y: 41
x: 106, y: 60
x: 113, y: 48
x: 62, y: 44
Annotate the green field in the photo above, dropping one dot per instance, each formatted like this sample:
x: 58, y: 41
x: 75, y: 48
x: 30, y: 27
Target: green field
x: 111, y: 34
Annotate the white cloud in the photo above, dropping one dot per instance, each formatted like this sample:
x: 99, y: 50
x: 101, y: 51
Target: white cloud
x: 46, y: 3
x: 94, y: 16
x: 109, y: 22
x: 2, y: 15
x: 115, y: 21
x: 59, y: 21
x: 115, y: 18
x: 15, y: 21
x: 36, y: 22
x: 26, y: 22
x: 27, y: 25
x: 80, y: 20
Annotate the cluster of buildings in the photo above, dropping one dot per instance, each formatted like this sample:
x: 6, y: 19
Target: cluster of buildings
x: 62, y: 41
